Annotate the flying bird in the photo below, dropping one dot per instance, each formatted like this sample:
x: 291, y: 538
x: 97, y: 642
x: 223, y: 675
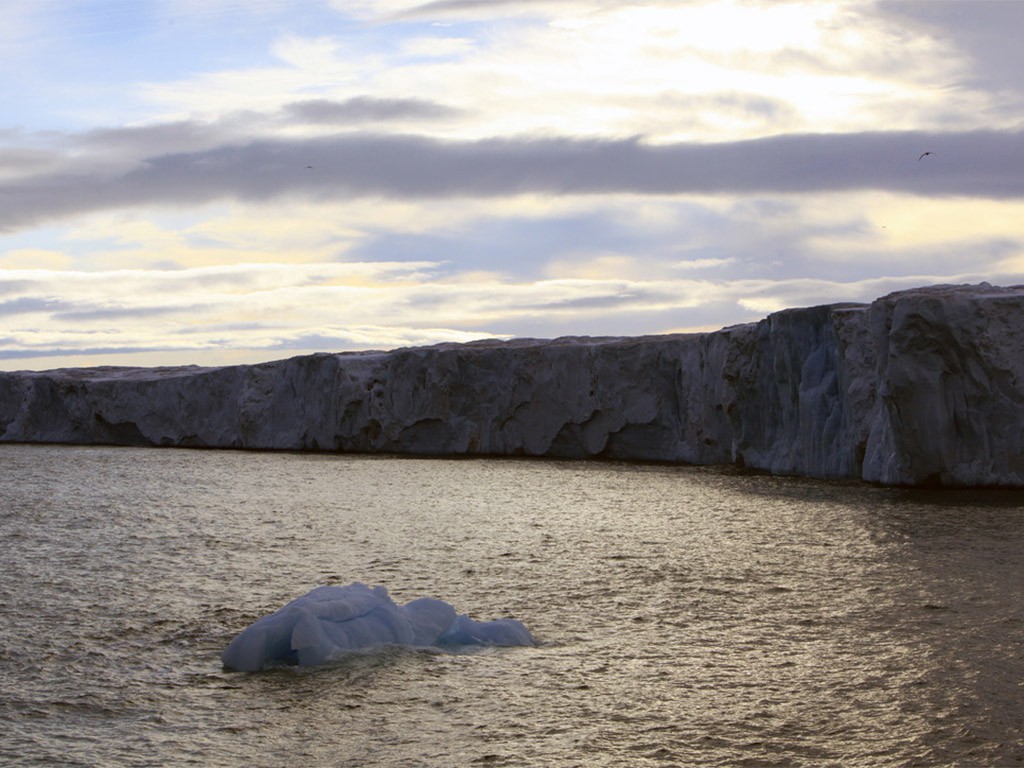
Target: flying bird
x: 925, y: 154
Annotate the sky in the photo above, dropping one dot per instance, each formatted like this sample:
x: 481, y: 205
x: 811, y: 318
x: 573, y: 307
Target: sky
x: 216, y: 182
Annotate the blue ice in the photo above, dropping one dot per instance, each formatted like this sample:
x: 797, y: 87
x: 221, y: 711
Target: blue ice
x: 329, y: 622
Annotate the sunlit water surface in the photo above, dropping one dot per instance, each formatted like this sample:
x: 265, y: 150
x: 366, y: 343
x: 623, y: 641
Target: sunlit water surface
x: 687, y: 617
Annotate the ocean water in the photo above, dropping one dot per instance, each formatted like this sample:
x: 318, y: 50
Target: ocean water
x: 687, y: 616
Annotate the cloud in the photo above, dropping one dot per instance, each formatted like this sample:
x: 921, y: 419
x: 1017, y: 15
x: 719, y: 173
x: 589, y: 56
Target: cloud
x: 973, y: 164
x: 607, y: 68
x: 474, y: 9
x: 980, y: 29
x: 144, y: 140
x: 104, y: 151
x: 28, y: 305
x: 712, y: 263
x: 119, y: 313
x: 364, y: 109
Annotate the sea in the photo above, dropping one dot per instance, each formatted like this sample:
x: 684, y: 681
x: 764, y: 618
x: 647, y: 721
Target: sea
x: 685, y: 616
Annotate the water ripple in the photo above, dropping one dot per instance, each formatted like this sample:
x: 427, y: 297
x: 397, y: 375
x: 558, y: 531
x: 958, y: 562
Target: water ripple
x: 687, y: 616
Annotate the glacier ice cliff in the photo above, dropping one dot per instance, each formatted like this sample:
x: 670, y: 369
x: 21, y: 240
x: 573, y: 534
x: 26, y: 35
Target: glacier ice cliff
x: 329, y: 622
x: 920, y: 387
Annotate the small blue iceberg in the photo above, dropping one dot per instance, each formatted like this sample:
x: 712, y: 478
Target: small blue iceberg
x: 329, y: 622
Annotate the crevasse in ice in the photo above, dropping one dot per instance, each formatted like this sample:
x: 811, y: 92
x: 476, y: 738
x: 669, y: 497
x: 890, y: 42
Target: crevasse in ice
x: 328, y: 622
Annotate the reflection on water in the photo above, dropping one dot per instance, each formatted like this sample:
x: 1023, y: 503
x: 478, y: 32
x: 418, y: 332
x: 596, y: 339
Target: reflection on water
x: 688, y: 616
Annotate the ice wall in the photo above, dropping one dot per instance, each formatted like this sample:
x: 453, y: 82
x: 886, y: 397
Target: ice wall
x: 920, y: 387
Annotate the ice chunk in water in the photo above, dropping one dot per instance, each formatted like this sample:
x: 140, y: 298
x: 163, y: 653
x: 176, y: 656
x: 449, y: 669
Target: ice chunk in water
x: 330, y: 621
x: 465, y: 631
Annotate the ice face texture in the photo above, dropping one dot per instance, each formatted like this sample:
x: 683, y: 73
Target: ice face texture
x: 329, y: 622
x: 921, y: 387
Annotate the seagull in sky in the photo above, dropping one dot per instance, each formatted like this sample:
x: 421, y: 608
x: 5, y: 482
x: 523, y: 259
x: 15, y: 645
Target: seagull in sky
x: 925, y: 154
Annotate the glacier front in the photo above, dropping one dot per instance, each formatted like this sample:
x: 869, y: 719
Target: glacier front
x: 329, y: 622
x: 920, y: 387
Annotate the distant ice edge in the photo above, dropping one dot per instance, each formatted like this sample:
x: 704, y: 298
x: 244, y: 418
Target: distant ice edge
x: 331, y: 621
x: 920, y: 387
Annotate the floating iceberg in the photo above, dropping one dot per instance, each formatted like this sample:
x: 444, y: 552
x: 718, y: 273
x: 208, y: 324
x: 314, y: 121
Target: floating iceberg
x: 328, y: 622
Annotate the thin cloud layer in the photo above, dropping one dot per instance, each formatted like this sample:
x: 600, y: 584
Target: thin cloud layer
x: 196, y: 317
x: 976, y: 164
x: 365, y: 109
